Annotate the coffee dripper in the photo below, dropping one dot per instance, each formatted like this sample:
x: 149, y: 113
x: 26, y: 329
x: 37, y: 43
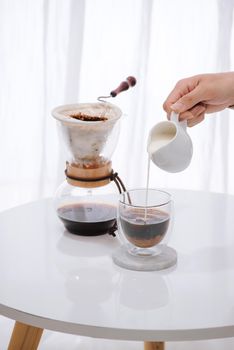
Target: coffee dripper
x: 86, y: 201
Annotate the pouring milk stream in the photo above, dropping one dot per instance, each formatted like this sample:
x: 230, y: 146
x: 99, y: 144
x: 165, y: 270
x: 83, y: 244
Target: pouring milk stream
x: 169, y: 147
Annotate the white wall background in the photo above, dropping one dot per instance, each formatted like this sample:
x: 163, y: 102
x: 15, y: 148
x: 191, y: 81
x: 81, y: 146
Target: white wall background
x: 62, y: 51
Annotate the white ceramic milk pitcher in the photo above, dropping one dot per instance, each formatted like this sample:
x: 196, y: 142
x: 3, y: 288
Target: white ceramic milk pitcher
x: 169, y: 145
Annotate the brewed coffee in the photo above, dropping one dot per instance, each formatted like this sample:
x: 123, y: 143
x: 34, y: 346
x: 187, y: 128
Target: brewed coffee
x: 88, y: 219
x: 142, y: 230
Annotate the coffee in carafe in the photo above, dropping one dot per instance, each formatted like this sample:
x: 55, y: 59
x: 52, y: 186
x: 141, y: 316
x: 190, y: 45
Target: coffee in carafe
x: 88, y: 219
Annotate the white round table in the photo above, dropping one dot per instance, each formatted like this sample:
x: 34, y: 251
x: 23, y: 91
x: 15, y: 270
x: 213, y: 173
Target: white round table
x: 55, y: 280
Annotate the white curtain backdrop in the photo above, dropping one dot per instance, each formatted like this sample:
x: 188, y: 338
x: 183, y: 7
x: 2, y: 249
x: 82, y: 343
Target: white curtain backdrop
x: 54, y: 52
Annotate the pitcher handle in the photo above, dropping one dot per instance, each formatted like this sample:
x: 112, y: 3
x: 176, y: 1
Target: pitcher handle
x: 174, y: 117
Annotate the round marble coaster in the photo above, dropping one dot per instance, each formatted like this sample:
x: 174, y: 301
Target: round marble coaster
x: 164, y: 260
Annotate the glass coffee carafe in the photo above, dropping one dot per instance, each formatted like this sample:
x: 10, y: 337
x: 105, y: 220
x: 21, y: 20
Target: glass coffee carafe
x: 86, y: 201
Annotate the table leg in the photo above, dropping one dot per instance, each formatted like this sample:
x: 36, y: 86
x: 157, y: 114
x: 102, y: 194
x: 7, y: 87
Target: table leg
x: 25, y: 337
x: 154, y: 345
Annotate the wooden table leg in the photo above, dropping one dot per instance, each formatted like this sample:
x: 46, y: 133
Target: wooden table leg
x: 154, y: 345
x: 25, y: 337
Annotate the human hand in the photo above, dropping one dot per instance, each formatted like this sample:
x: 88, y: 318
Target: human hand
x: 192, y: 97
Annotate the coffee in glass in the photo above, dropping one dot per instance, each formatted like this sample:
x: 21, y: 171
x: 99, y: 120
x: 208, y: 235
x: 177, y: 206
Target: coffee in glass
x: 144, y: 224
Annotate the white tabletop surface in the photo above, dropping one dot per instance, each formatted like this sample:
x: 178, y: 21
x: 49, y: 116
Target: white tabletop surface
x: 55, y: 280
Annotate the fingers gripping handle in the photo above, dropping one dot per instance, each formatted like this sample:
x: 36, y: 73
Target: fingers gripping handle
x: 174, y: 117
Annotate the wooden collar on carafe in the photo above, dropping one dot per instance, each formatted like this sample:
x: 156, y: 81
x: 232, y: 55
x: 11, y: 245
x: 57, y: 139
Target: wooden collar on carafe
x: 88, y: 177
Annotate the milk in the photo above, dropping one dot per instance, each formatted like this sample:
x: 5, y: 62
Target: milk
x: 147, y: 188
x: 169, y: 145
x: 159, y: 142
x: 155, y: 144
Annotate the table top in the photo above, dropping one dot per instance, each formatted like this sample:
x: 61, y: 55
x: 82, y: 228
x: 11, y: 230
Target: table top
x: 59, y: 281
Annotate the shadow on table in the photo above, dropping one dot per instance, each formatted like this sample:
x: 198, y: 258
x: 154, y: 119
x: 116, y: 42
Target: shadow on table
x: 84, y: 246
